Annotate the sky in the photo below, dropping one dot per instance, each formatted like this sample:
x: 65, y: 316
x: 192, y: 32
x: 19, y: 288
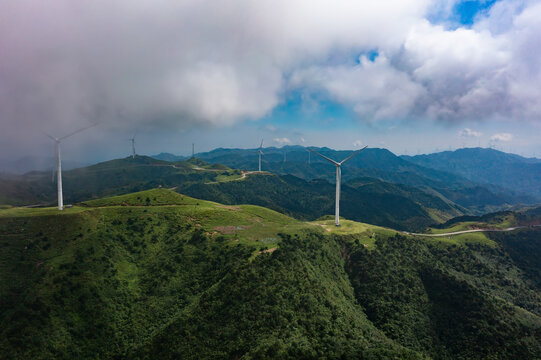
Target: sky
x: 413, y: 76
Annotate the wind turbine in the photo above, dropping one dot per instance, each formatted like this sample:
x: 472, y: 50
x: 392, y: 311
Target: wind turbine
x: 59, y: 162
x: 338, y: 179
x: 132, y: 139
x: 260, y: 151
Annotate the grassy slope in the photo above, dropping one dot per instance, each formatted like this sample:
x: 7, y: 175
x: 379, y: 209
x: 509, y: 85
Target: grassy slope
x: 159, y: 274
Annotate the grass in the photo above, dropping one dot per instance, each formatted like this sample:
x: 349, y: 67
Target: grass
x: 249, y: 225
x: 228, y: 177
x: 48, y: 211
x: 456, y: 227
x: 463, y: 239
x: 244, y: 224
x: 366, y: 233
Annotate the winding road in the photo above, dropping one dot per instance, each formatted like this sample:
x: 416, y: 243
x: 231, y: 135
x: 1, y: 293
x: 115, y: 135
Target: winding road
x: 471, y: 231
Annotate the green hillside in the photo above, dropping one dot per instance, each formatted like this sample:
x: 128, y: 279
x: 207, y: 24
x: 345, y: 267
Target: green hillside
x: 479, y: 195
x: 376, y: 202
x: 157, y: 274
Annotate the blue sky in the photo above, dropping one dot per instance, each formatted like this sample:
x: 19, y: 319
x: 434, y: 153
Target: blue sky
x: 414, y: 76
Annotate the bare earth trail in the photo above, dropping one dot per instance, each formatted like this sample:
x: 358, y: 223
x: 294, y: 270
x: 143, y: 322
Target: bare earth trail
x: 471, y: 231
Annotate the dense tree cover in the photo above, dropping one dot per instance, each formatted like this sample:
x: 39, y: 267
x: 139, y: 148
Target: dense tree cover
x: 451, y: 302
x: 524, y: 248
x: 87, y: 287
x: 295, y: 303
x: 146, y: 277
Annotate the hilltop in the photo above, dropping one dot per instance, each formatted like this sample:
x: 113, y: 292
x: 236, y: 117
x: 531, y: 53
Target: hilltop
x: 157, y: 274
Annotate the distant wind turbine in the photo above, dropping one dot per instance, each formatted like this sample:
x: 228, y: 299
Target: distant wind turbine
x: 59, y: 162
x: 193, y: 150
x: 132, y: 139
x: 260, y: 151
x: 338, y: 179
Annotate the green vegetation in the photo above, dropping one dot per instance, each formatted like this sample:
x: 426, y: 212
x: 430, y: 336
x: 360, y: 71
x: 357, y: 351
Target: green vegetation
x: 310, y: 200
x: 447, y: 301
x: 364, y: 233
x: 367, y: 199
x: 157, y: 274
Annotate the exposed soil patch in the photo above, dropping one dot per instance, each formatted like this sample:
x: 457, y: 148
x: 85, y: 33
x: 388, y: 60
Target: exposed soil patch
x: 230, y: 229
x: 229, y: 207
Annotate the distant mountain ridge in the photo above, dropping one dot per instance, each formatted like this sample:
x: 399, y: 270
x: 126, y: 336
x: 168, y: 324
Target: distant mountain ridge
x: 382, y: 164
x: 487, y: 166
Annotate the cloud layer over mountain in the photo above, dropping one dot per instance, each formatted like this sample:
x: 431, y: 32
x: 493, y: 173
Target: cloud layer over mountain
x: 204, y: 63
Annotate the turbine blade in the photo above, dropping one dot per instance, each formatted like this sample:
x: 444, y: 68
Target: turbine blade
x: 324, y: 157
x: 50, y: 136
x: 261, y: 146
x: 78, y: 131
x: 55, y: 159
x: 352, y: 155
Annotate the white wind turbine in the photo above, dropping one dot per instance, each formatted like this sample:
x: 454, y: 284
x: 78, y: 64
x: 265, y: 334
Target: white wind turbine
x: 260, y: 151
x: 59, y: 162
x: 132, y: 139
x: 338, y: 179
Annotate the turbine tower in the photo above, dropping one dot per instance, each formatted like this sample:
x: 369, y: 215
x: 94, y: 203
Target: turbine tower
x: 132, y: 139
x: 260, y: 151
x: 59, y: 163
x: 338, y: 179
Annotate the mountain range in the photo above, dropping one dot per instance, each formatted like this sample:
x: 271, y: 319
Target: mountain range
x: 477, y: 194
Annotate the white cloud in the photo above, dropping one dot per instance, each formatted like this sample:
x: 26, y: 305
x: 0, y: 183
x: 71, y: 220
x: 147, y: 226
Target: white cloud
x: 469, y: 133
x: 282, y: 141
x: 501, y: 137
x: 188, y: 63
x: 374, y: 90
x: 357, y: 143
